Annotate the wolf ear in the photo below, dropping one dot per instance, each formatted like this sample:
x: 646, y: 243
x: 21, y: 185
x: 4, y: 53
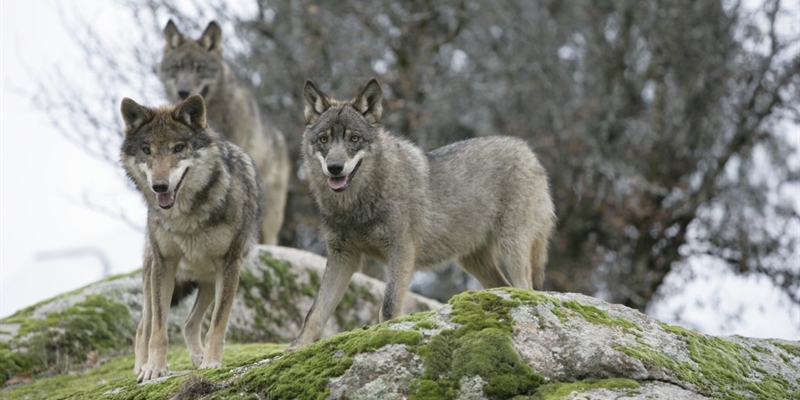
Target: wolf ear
x: 133, y: 114
x: 211, y: 39
x: 172, y: 36
x: 316, y: 102
x: 192, y: 112
x: 368, y: 102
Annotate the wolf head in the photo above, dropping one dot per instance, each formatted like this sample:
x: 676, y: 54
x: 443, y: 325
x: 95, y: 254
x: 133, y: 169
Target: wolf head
x: 163, y: 145
x: 192, y: 66
x: 339, y: 134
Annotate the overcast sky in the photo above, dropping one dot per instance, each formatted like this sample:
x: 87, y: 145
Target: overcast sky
x: 51, y: 242
x: 46, y: 179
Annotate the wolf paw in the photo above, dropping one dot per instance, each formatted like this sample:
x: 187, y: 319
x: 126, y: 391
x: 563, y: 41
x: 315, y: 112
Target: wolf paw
x: 210, y: 365
x: 148, y: 373
x: 297, y: 344
x: 197, y: 359
x: 292, y: 348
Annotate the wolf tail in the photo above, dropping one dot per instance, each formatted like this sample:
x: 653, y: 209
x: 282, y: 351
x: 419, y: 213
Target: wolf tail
x: 183, y: 289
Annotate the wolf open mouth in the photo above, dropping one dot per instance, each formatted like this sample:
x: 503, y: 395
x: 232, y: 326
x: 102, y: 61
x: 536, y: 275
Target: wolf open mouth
x: 339, y: 183
x: 167, y: 199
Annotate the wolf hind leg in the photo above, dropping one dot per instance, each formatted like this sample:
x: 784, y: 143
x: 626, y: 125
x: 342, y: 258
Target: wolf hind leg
x: 538, y: 261
x: 225, y: 285
x: 515, y: 253
x: 191, y: 328
x: 482, y: 265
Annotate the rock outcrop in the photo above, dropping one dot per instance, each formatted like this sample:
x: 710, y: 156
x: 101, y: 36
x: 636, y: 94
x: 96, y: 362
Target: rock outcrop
x: 491, y: 344
x: 276, y: 289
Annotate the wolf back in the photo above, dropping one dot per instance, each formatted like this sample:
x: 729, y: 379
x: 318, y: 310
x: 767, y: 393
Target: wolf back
x: 197, y: 67
x: 205, y: 205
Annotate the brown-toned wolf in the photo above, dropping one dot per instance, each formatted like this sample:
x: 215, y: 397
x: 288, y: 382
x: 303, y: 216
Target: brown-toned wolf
x: 204, y: 206
x: 383, y: 197
x: 197, y: 67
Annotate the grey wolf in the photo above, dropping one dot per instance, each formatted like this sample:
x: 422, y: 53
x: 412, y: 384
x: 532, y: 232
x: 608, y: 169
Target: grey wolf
x: 382, y: 197
x: 204, y: 207
x: 197, y: 67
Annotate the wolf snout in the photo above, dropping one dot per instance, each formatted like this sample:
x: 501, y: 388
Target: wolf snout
x: 335, y: 168
x: 160, y: 187
x: 183, y: 94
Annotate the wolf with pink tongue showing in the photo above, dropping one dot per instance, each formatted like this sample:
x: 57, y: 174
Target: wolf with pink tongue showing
x: 204, y: 208
x: 382, y: 197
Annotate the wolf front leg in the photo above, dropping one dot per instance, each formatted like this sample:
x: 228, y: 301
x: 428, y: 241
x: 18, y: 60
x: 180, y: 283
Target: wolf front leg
x: 162, y: 283
x: 400, y: 269
x: 226, y: 284
x: 145, y: 325
x: 338, y: 271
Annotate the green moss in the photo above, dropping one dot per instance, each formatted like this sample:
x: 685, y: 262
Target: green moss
x: 531, y: 297
x: 599, y: 317
x: 62, y: 341
x: 118, y: 374
x: 558, y: 391
x: 647, y: 354
x: 762, y: 350
x: 561, y: 314
x: 793, y: 350
x: 786, y: 359
x: 721, y: 368
x: 480, y: 346
x: 26, y: 313
x: 426, y: 389
x: 563, y: 309
x: 425, y: 324
x: 305, y: 374
x: 420, y: 317
x: 12, y: 362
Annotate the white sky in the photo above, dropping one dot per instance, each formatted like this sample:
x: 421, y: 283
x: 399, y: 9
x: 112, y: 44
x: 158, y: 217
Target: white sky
x: 44, y: 177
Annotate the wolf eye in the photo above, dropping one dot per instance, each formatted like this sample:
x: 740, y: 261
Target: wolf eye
x: 355, y: 138
x: 146, y: 150
x: 200, y: 68
x: 179, y: 148
x: 323, y: 139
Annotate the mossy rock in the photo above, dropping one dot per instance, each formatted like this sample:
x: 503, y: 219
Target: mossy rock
x: 494, y: 344
x: 74, y: 330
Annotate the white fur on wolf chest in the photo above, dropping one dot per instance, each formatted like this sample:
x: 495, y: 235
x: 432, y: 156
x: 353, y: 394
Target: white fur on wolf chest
x: 201, y: 270
x: 200, y: 253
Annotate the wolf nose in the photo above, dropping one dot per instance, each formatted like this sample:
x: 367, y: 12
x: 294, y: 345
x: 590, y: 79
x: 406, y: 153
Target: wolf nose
x: 335, y: 168
x: 183, y: 94
x: 160, y: 188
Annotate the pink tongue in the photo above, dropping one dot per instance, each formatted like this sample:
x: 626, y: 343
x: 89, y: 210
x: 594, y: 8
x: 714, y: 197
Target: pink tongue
x: 166, y: 200
x: 338, y: 182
